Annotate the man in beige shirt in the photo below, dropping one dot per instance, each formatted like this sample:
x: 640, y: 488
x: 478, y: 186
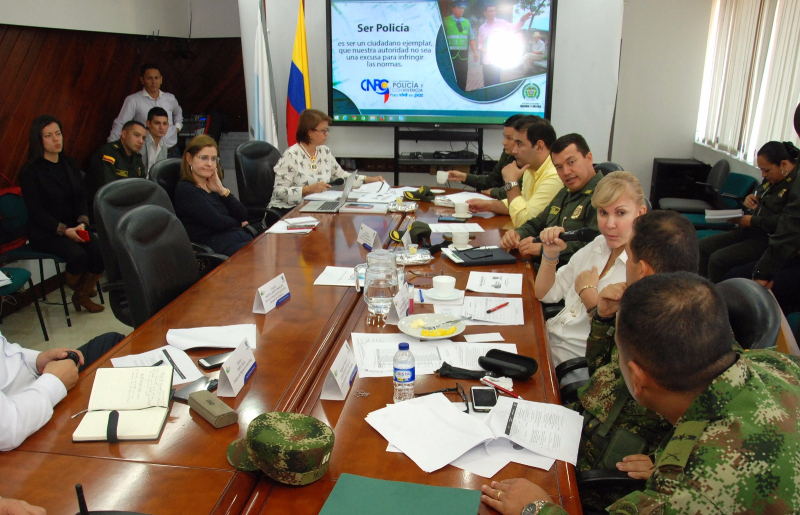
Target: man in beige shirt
x: 533, y: 137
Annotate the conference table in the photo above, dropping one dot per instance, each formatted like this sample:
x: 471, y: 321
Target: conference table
x: 186, y: 470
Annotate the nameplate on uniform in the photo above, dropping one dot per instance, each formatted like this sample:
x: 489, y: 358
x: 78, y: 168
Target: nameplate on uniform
x: 341, y: 375
x: 368, y: 238
x: 271, y: 295
x: 401, y: 304
x: 236, y: 370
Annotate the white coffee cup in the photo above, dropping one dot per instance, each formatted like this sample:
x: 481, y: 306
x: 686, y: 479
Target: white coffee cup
x: 444, y: 285
x: 441, y: 176
x: 462, y: 209
x: 460, y: 239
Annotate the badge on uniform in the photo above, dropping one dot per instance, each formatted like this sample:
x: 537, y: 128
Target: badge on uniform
x: 782, y: 192
x: 122, y: 173
x: 577, y: 212
x: 587, y: 192
x: 109, y: 159
x: 554, y: 210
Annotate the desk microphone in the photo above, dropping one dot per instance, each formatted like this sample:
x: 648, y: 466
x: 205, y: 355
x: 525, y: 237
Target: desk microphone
x: 336, y: 182
x: 584, y: 235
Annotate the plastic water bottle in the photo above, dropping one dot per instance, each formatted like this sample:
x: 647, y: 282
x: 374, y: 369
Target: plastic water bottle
x: 404, y: 374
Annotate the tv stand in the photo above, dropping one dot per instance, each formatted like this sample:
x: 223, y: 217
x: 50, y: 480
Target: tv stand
x: 427, y: 158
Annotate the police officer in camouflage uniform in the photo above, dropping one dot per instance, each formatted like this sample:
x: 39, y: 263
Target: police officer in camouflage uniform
x: 736, y: 438
x: 492, y: 183
x: 460, y: 38
x: 119, y: 159
x: 571, y: 207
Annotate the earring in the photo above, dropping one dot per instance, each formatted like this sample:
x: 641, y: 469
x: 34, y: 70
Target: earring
x: 191, y: 168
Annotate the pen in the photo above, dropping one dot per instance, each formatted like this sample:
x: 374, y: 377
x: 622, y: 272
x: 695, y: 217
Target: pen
x: 169, y: 358
x: 158, y: 363
x: 504, y: 304
x: 420, y: 296
x: 507, y: 392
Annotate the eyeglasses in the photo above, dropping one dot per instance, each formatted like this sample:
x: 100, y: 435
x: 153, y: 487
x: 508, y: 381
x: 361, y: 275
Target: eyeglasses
x: 457, y: 389
x: 205, y: 159
x: 323, y: 131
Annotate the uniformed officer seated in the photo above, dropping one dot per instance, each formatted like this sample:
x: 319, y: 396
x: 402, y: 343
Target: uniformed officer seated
x: 571, y: 207
x: 118, y: 159
x: 736, y: 438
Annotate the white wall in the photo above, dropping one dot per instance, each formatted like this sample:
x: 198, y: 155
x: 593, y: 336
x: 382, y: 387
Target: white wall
x: 661, y: 74
x: 168, y: 18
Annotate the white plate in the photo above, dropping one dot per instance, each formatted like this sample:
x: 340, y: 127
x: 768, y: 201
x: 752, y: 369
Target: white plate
x: 430, y: 319
x: 432, y: 294
x: 453, y: 247
x: 437, y: 191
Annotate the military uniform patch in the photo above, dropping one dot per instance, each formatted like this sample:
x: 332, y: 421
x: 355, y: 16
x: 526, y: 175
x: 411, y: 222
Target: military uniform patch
x: 587, y: 192
x: 784, y: 190
x: 577, y: 212
x: 122, y: 173
x: 109, y: 159
x: 554, y: 210
x: 681, y: 445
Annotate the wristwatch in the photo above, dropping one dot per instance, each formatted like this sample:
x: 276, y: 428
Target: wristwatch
x: 533, y: 508
x: 510, y: 185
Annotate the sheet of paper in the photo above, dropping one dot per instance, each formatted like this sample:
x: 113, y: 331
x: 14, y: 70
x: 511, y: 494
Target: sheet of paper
x: 281, y: 227
x: 474, y: 228
x: 546, y: 429
x: 236, y: 370
x: 464, y: 196
x: 485, y: 215
x: 373, y: 187
x: 133, y: 388
x: 386, y: 197
x: 337, y: 276
x: 421, y: 296
x: 271, y: 295
x: 479, y: 462
x: 398, y: 192
x: 184, y: 365
x: 477, y: 307
x: 429, y: 430
x: 506, y: 450
x: 495, y: 282
x: 375, y: 353
x: 484, y: 337
x: 217, y: 337
x: 301, y: 220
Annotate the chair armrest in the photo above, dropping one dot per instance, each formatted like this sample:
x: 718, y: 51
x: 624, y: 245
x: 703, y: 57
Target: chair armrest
x: 208, y: 261
x: 199, y: 247
x: 570, y: 365
x: 112, y: 286
x: 215, y: 258
x: 606, y: 479
x: 270, y: 217
x: 252, y: 230
x: 569, y: 392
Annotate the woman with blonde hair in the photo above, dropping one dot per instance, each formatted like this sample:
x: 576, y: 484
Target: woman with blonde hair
x: 619, y: 200
x: 208, y: 211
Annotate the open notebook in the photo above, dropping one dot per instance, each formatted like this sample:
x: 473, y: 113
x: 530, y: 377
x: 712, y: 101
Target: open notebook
x: 126, y: 404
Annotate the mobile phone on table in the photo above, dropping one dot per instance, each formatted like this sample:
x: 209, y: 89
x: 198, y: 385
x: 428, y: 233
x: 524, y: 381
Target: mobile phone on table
x: 215, y: 361
x: 483, y: 398
x: 204, y: 383
x: 452, y: 220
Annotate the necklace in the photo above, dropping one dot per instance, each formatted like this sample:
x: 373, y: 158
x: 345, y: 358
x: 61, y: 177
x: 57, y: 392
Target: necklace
x: 308, y: 155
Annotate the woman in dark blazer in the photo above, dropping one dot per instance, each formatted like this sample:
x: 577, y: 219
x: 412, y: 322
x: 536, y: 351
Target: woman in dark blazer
x: 208, y: 211
x: 57, y: 211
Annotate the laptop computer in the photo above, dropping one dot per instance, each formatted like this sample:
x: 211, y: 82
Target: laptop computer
x: 331, y: 206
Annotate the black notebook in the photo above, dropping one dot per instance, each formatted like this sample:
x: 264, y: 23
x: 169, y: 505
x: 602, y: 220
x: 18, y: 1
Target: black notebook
x: 476, y: 257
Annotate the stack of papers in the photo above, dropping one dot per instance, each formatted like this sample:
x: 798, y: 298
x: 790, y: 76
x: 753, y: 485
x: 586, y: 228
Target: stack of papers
x: 375, y: 353
x: 337, y: 276
x: 220, y: 337
x: 476, y: 308
x: 297, y: 225
x: 184, y: 370
x: 457, y: 227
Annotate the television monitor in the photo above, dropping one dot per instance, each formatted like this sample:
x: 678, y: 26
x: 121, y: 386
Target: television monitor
x: 439, y: 62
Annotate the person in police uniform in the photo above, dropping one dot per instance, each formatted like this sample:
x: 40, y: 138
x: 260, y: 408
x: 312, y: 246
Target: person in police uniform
x: 736, y: 433
x: 571, y: 208
x: 119, y: 159
x: 752, y: 238
x: 460, y: 38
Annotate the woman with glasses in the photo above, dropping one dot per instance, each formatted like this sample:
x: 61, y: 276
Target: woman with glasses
x: 308, y: 166
x: 208, y: 211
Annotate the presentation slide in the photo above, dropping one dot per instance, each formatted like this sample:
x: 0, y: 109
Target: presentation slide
x: 438, y: 62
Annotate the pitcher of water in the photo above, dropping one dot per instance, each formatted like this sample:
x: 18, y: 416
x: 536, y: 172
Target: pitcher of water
x: 379, y: 275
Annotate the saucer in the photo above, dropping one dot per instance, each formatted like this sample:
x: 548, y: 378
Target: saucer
x: 463, y: 217
x: 437, y: 191
x: 432, y: 294
x: 453, y: 247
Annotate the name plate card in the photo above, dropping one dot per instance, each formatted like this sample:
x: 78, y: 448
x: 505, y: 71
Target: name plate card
x: 271, y: 295
x: 368, y: 238
x: 402, y: 304
x: 341, y: 375
x: 236, y: 370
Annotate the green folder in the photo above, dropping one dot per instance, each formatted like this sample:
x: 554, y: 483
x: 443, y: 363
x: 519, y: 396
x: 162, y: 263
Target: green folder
x: 367, y: 496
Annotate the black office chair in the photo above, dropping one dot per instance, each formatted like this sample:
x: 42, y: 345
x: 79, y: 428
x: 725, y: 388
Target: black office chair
x: 715, y: 198
x: 754, y: 313
x: 156, y: 260
x: 111, y: 202
x: 255, y: 175
x: 607, y: 167
x: 167, y: 174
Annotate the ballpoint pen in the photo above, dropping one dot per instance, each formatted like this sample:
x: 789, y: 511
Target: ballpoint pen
x: 507, y: 392
x: 420, y: 296
x: 504, y: 304
x: 158, y: 363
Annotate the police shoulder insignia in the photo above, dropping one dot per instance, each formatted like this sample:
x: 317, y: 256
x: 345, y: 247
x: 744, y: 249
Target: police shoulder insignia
x: 554, y: 210
x: 682, y: 443
x: 587, y: 192
x: 577, y: 212
x: 122, y: 173
x: 109, y: 159
x: 782, y: 192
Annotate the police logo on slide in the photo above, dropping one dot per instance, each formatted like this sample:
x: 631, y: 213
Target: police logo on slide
x: 531, y: 90
x: 379, y: 86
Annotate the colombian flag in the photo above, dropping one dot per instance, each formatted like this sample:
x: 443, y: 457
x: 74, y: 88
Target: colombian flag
x: 299, y: 95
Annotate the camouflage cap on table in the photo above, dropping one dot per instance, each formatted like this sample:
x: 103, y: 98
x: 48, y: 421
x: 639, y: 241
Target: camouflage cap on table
x: 290, y: 448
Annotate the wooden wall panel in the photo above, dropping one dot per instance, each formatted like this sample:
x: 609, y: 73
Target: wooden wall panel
x: 82, y: 78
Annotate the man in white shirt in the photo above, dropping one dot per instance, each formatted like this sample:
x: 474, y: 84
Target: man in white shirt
x: 137, y: 105
x: 486, y: 37
x: 32, y: 383
x: 154, y: 149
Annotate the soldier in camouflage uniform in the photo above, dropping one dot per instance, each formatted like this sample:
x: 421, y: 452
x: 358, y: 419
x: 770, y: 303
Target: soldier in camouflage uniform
x: 736, y: 439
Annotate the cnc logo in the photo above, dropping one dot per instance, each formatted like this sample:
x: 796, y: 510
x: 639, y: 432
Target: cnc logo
x: 379, y: 86
x: 531, y: 90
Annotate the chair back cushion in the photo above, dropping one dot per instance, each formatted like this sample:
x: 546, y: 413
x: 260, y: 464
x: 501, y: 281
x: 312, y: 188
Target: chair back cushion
x: 607, y: 167
x: 740, y: 185
x: 718, y: 175
x: 13, y: 219
x: 155, y: 258
x: 754, y: 313
x: 255, y: 172
x: 167, y: 174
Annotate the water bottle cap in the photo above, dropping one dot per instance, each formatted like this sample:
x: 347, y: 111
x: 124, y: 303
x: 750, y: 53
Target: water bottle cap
x: 403, y: 346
